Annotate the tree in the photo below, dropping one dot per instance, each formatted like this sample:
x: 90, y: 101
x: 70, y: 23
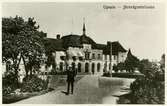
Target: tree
x: 144, y: 64
x: 121, y: 66
x: 22, y: 40
x: 115, y: 68
x: 131, y: 62
x: 162, y: 63
x: 147, y: 89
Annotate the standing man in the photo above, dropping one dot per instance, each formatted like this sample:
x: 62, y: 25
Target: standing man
x: 70, y: 79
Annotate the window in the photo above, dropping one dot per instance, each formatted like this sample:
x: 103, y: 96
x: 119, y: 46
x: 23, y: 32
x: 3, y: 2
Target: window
x: 98, y: 67
x: 105, y: 57
x: 86, y: 67
x: 74, y: 58
x: 93, y: 56
x: 93, y: 68
x: 109, y: 66
x: 80, y: 58
x: 87, y: 55
x: 98, y: 56
x: 79, y: 67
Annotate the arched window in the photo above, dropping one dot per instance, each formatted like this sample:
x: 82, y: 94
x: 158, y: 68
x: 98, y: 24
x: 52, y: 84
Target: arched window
x: 86, y: 67
x: 105, y: 67
x: 98, y: 67
x: 109, y: 66
x: 79, y: 67
x: 93, y: 68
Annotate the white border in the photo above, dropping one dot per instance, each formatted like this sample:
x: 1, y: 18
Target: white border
x: 82, y: 1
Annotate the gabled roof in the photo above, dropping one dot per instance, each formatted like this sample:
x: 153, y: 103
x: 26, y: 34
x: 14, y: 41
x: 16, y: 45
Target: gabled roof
x: 103, y: 47
x: 117, y: 47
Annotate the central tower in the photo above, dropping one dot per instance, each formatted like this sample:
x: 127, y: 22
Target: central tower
x: 84, y: 29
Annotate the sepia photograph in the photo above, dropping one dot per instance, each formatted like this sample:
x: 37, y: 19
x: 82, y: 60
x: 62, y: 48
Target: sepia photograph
x: 83, y: 52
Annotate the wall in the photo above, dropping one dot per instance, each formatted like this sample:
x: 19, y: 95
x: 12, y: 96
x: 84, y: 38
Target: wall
x: 121, y: 57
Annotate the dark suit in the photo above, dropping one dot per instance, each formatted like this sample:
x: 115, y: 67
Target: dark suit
x: 70, y: 80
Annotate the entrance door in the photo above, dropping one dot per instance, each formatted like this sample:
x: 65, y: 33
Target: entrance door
x: 86, y: 67
x: 93, y: 68
x: 79, y: 67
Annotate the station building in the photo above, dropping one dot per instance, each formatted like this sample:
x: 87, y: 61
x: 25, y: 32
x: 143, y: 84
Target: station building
x: 84, y: 54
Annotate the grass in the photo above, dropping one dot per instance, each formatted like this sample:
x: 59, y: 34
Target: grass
x: 12, y: 98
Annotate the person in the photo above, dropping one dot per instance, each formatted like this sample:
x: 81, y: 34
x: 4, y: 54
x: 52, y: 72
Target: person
x: 70, y: 80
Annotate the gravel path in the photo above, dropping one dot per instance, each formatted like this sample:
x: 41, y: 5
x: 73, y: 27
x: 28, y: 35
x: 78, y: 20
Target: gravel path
x: 90, y: 89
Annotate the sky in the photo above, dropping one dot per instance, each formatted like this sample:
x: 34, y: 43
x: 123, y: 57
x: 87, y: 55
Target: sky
x: 141, y: 30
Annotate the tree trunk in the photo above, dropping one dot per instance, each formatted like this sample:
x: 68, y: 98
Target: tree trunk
x: 25, y: 66
x: 16, y: 66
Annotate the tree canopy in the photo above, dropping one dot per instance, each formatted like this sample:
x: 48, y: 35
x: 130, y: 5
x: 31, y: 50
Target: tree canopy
x: 22, y: 39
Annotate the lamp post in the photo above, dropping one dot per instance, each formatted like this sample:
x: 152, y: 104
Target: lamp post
x: 66, y: 60
x: 110, y: 56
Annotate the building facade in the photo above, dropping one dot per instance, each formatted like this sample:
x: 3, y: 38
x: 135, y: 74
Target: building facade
x: 84, y: 54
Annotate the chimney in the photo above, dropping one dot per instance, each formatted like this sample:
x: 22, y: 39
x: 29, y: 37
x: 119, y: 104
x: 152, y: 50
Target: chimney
x: 58, y: 36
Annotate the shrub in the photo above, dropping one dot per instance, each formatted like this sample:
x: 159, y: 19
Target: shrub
x: 9, y: 82
x: 107, y: 74
x: 127, y: 75
x: 33, y: 84
x: 149, y: 89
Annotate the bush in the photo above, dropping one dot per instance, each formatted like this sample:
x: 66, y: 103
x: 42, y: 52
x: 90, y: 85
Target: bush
x: 146, y: 90
x: 33, y: 84
x: 127, y: 75
x: 107, y: 74
x: 9, y: 82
